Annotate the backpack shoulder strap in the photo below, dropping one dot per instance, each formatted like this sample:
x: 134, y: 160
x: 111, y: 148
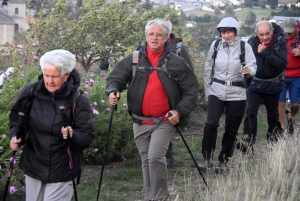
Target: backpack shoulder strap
x: 251, y: 41
x: 242, y: 51
x: 214, y: 55
x: 135, y: 60
x: 164, y: 66
x: 30, y: 98
x: 277, y: 45
x: 77, y: 94
x: 178, y: 47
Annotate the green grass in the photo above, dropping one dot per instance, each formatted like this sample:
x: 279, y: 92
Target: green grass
x: 259, y: 12
x: 240, y: 14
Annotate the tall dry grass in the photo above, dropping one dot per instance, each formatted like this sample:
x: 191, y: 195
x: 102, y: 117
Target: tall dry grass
x: 272, y: 173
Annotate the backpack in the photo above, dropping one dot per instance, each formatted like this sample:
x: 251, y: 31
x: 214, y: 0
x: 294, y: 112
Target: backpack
x: 242, y: 56
x: 178, y: 38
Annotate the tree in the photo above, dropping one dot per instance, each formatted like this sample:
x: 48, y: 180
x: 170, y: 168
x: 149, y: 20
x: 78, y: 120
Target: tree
x: 248, y: 3
x: 273, y: 3
x: 79, y: 3
x: 37, y: 4
x: 250, y: 18
x: 217, y: 10
x: 229, y: 11
x: 147, y: 5
x: 262, y: 3
x: 103, y: 29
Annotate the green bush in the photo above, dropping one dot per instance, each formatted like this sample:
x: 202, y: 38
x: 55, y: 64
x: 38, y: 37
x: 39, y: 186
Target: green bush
x: 121, y: 137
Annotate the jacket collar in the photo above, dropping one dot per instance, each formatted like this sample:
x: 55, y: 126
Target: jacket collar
x: 72, y: 84
x: 166, y: 51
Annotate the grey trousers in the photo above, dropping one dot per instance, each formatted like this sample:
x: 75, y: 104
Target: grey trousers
x: 38, y: 191
x: 152, y: 142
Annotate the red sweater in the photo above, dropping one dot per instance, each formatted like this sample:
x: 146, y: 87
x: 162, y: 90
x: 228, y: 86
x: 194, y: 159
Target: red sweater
x: 293, y: 66
x: 155, y: 102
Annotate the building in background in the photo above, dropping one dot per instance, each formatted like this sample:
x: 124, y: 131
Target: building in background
x: 12, y: 19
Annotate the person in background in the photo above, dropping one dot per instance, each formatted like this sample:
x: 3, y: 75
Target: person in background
x: 163, y: 91
x: 225, y: 88
x: 291, y: 83
x: 179, y: 48
x: 45, y: 157
x: 271, y: 58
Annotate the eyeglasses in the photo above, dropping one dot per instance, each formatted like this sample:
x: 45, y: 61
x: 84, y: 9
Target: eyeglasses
x: 157, y: 35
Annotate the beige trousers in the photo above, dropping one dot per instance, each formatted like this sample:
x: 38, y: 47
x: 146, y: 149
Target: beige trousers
x: 38, y: 191
x: 152, y: 142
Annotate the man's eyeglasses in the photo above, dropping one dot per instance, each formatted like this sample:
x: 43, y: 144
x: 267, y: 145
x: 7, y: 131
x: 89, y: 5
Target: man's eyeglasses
x: 157, y: 35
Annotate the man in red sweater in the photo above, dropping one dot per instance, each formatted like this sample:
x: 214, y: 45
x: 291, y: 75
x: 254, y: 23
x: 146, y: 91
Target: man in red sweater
x: 291, y: 82
x: 162, y: 84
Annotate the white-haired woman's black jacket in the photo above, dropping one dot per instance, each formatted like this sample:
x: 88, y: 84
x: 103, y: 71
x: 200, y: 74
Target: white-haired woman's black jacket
x: 45, y: 156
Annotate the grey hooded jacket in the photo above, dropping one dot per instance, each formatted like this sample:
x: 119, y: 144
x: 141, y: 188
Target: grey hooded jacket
x: 228, y: 66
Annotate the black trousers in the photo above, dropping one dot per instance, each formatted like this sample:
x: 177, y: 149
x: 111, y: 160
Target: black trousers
x: 234, y: 115
x: 271, y: 102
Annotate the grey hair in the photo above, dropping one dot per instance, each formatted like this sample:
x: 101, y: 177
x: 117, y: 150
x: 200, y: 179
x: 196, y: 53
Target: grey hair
x: 165, y: 24
x: 62, y: 59
x: 263, y: 22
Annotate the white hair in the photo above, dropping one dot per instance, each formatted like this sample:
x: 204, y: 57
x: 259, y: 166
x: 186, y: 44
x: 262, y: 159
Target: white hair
x: 165, y: 24
x: 62, y: 59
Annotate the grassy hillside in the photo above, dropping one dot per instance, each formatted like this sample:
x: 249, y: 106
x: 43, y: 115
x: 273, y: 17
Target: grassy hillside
x: 260, y: 13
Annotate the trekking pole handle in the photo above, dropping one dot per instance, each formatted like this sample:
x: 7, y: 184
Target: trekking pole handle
x: 64, y: 118
x: 21, y: 115
x: 243, y: 64
x: 115, y: 106
x: 63, y: 114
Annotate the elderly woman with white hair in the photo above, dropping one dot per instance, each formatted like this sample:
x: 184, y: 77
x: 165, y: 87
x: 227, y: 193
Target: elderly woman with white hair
x: 51, y: 130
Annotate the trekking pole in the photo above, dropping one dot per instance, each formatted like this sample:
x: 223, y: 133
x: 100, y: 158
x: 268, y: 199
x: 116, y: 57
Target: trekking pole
x: 106, y: 146
x: 64, y: 118
x: 12, y: 159
x: 178, y: 129
x: 248, y: 108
